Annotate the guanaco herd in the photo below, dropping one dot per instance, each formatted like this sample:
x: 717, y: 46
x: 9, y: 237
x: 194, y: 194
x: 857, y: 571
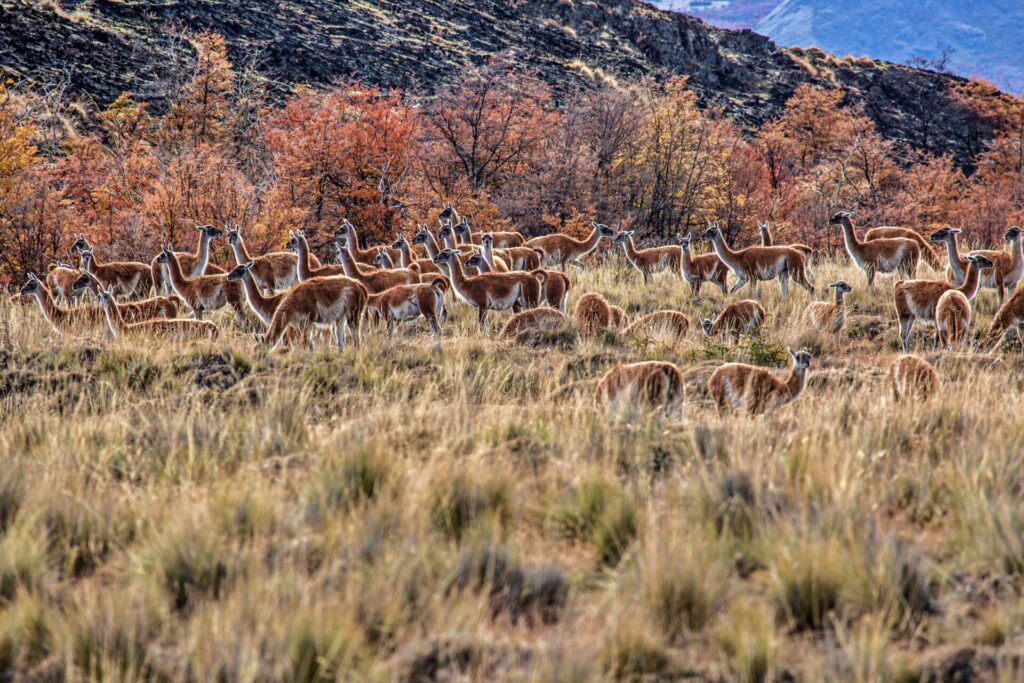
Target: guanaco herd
x: 291, y: 292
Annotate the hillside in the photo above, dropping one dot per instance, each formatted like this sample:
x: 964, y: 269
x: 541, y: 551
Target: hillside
x: 985, y: 37
x: 104, y: 47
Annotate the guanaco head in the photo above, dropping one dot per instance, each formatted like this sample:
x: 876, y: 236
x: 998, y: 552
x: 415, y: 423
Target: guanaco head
x: 107, y: 296
x: 943, y: 234
x: 841, y: 286
x: 840, y: 217
x: 239, y: 271
x: 83, y: 281
x: 446, y: 256
x: 80, y: 243
x: 603, y: 230
x: 447, y: 214
x: 463, y: 229
x: 234, y: 235
x: 421, y: 235
x: 345, y: 230
x: 293, y: 240
x: 762, y: 228
x: 341, y: 247
x: 1013, y: 233
x: 165, y: 253
x: 622, y: 237
x: 86, y: 255
x: 705, y: 324
x: 980, y: 261
x: 399, y: 242
x: 487, y: 240
x: 801, y: 358
x: 475, y: 261
x: 210, y: 231
x: 381, y: 259
x: 684, y: 241
x: 713, y: 232
x: 445, y: 232
x: 33, y: 285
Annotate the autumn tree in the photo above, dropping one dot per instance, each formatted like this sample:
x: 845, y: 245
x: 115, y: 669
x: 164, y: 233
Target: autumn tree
x: 202, y: 112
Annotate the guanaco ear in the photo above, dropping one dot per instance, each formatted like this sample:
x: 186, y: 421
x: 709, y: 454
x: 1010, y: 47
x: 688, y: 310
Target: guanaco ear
x: 793, y: 355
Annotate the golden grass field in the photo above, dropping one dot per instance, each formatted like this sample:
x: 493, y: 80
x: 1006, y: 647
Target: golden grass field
x: 219, y: 512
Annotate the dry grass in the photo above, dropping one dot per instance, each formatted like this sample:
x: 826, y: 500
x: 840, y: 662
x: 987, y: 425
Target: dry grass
x: 391, y: 513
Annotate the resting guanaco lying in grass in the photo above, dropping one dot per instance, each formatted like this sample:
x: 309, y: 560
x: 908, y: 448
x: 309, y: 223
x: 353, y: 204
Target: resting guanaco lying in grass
x: 653, y: 383
x: 533, y: 319
x: 651, y: 260
x: 827, y: 316
x: 132, y: 311
x: 890, y: 255
x: 886, y: 232
x: 592, y: 314
x: 952, y: 319
x: 913, y: 378
x: 62, y: 320
x: 336, y: 301
x: 177, y: 328
x: 204, y: 292
x: 756, y: 264
x: 917, y: 299
x: 273, y: 272
x: 672, y: 323
x: 741, y: 387
x: 562, y: 250
x: 619, y: 318
x: 735, y: 319
x: 490, y: 291
x: 700, y: 268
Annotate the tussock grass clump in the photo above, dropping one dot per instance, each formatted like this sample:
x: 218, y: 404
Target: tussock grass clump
x: 358, y: 477
x: 632, y: 651
x: 191, y: 563
x: 513, y: 589
x: 749, y: 642
x: 599, y: 513
x: 462, y: 504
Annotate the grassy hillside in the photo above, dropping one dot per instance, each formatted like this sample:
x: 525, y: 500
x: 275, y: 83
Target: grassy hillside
x: 393, y: 513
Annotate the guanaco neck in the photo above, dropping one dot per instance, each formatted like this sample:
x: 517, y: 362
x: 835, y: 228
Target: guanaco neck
x: 386, y: 259
x: 431, y: 245
x: 957, y: 264
x: 239, y: 250
x: 487, y: 250
x: 485, y: 267
x: 767, y: 239
x: 727, y: 255
x: 113, y: 315
x: 403, y: 254
x: 458, y: 276
x: 178, y: 280
x: 853, y: 245
x: 263, y: 305
x: 303, y: 269
x: 972, y: 282
x: 1018, y: 252
x: 202, y: 255
x: 348, y: 263
x: 840, y: 298
x: 53, y: 314
x: 588, y: 245
x: 630, y: 248
x: 795, y: 381
x: 449, y: 240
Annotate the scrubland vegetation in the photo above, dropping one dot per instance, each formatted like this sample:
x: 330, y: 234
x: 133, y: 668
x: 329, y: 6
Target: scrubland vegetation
x: 397, y: 513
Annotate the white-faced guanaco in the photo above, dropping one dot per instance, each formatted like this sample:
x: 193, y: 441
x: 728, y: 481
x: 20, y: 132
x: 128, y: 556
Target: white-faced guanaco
x: 755, y: 264
x: 336, y: 301
x: 829, y: 316
x: 490, y: 291
x: 754, y: 390
x: 61, y: 319
x: 204, y: 292
x: 653, y: 383
x: 562, y: 250
x: 917, y: 299
x: 177, y: 328
x: 891, y: 255
x: 913, y: 378
x: 735, y: 319
x: 700, y: 268
x: 131, y: 311
x: 651, y: 260
x: 273, y: 272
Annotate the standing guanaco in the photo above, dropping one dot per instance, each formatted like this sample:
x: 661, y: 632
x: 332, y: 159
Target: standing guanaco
x: 305, y: 268
x: 406, y: 259
x: 128, y: 278
x: 563, y: 250
x: 375, y: 279
x: 888, y: 232
x: 273, y: 272
x: 61, y: 319
x: 337, y: 301
x: 737, y: 386
x: 178, y: 328
x: 768, y: 240
x: 264, y: 306
x: 490, y: 291
x: 896, y: 254
x: 1008, y: 270
x: 755, y: 264
x: 916, y: 299
x: 829, y: 316
x: 735, y: 319
x: 365, y: 256
x: 952, y: 319
x: 700, y: 268
x: 204, y: 292
x: 651, y: 260
x: 60, y: 280
x: 192, y: 264
x: 502, y: 240
x: 406, y: 302
x: 132, y: 311
x: 653, y: 383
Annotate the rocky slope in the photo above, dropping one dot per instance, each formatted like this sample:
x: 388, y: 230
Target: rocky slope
x: 105, y: 46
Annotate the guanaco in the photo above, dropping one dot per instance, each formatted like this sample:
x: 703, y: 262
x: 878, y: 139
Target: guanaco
x: 406, y: 302
x: 735, y: 319
x: 426, y: 238
x: 273, y: 272
x: 204, y: 292
x: 533, y: 319
x: 60, y: 280
x: 375, y: 279
x: 737, y: 386
x: 490, y: 291
x: 952, y: 319
x: 193, y: 264
x: 700, y: 268
x: 178, y: 328
x: 916, y: 299
x: 755, y: 264
x: 768, y: 240
x: 129, y: 278
x: 619, y: 318
x: 304, y: 265
x: 264, y: 306
x: 406, y: 259
x: 651, y: 260
x: 896, y: 254
x: 889, y: 231
x: 592, y: 314
x: 1010, y: 315
x: 132, y: 311
x: 337, y: 301
x: 501, y: 239
x: 61, y: 319
x: 653, y: 383
x: 1009, y: 267
x: 562, y: 250
x: 497, y: 263
x: 348, y: 232
x: 913, y: 378
x: 555, y: 287
x: 829, y: 316
x: 665, y: 322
